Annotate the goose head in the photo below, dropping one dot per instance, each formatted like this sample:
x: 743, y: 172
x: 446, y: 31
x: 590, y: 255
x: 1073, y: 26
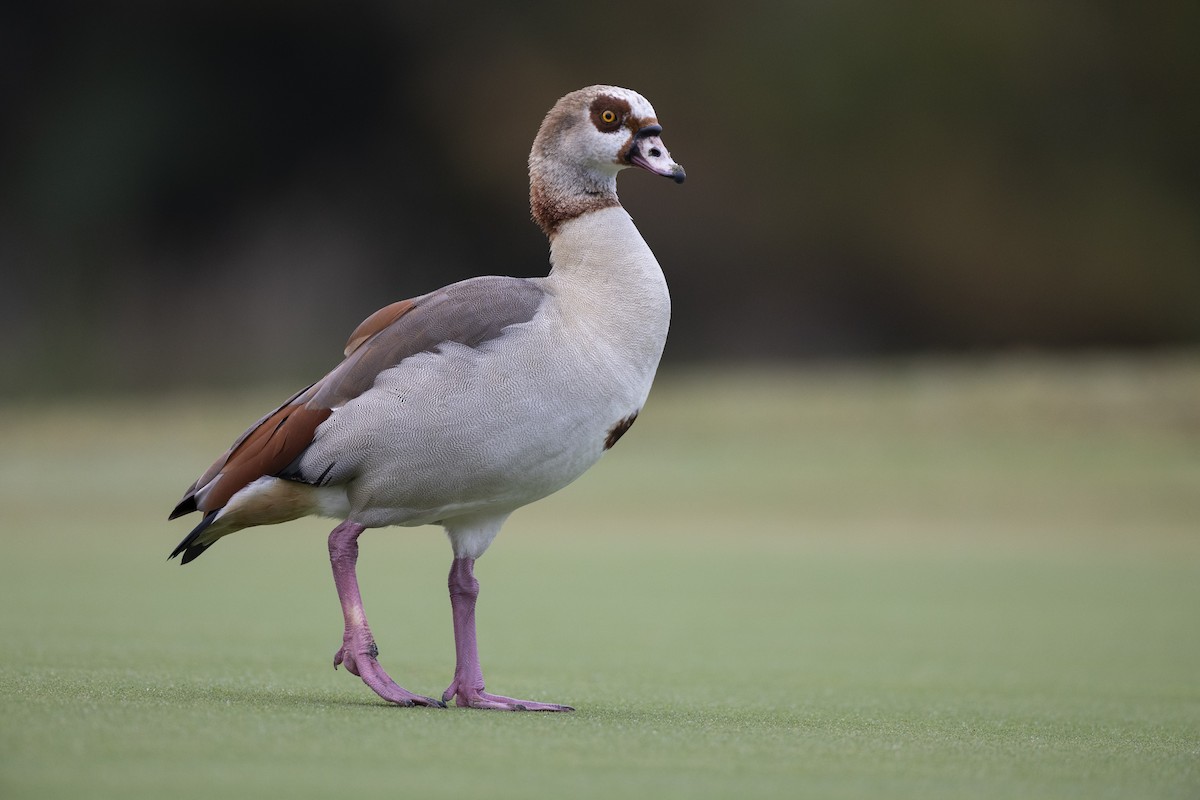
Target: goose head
x: 585, y: 140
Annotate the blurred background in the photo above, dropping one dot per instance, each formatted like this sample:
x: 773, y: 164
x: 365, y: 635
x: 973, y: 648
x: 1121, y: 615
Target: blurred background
x: 215, y: 193
x: 928, y: 427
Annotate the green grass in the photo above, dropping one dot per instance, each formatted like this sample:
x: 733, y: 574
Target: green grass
x: 922, y: 580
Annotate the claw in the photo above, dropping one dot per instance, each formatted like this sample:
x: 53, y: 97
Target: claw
x: 477, y: 698
x: 364, y: 665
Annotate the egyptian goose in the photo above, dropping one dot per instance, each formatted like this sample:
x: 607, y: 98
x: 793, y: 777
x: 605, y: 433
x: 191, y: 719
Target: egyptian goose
x: 457, y: 407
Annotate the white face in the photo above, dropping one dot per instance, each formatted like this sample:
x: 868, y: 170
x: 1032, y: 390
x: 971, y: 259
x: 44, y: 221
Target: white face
x: 619, y: 129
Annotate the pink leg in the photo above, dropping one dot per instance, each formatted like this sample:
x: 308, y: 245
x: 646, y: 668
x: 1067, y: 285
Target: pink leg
x: 358, y: 651
x: 468, y: 674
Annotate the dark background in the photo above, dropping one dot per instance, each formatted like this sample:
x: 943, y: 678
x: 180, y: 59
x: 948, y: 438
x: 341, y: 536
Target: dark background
x: 205, y: 194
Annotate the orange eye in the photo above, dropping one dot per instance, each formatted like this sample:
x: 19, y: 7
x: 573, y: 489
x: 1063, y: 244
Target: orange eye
x: 608, y: 117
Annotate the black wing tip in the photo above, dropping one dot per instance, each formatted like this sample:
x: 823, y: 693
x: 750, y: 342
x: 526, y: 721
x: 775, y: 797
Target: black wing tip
x: 187, y: 547
x: 186, y: 506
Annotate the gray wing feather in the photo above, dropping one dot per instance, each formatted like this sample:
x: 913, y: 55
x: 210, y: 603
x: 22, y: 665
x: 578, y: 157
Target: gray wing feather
x: 470, y: 312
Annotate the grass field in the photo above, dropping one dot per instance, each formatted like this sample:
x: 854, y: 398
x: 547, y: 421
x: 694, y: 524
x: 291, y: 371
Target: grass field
x: 917, y: 580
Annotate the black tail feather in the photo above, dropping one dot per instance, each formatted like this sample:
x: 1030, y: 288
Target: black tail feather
x: 194, y: 552
x: 190, y: 550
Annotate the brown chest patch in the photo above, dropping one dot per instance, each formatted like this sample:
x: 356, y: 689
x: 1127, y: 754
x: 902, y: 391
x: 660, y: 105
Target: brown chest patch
x: 618, y: 430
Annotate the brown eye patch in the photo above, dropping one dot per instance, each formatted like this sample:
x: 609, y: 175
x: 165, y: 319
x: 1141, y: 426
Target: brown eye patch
x: 608, y: 113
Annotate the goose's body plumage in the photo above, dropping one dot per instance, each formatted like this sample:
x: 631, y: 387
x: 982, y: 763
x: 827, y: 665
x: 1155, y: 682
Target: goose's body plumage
x: 457, y: 407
